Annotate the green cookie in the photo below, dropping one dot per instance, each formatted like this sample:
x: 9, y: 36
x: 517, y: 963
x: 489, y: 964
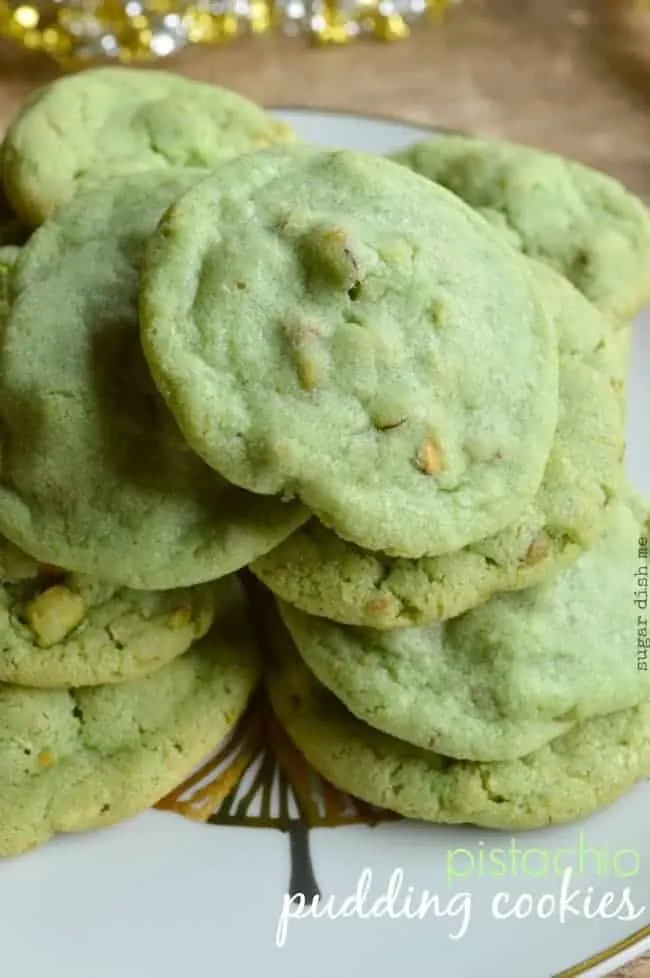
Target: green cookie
x: 16, y: 565
x: 329, y: 326
x: 80, y: 130
x: 9, y: 255
x: 95, y: 475
x: 503, y: 680
x: 64, y: 630
x: 574, y: 775
x: 583, y: 223
x: 621, y: 343
x: 12, y: 230
x: 82, y: 758
x: 317, y: 571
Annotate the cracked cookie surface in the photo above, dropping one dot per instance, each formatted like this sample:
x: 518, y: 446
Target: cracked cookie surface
x: 331, y: 327
x: 83, y: 758
x: 81, y: 130
x: 322, y: 574
x: 96, y: 476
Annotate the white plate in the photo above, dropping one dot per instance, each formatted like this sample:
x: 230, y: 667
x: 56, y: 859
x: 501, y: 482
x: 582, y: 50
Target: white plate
x: 163, y: 896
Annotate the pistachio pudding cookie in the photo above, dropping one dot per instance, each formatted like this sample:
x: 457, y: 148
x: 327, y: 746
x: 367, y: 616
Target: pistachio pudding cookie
x: 330, y: 327
x: 74, y: 759
x: 317, y: 571
x: 16, y: 565
x: 81, y: 130
x: 621, y: 352
x: 569, y: 778
x: 504, y: 679
x: 9, y: 255
x: 12, y: 230
x: 582, y: 222
x: 60, y: 629
x: 95, y: 474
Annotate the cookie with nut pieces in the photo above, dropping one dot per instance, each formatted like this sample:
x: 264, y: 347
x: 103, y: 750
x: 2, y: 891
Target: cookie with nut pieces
x: 569, y: 778
x: 83, y: 129
x: 74, y: 759
x: 330, y: 327
x: 96, y: 477
x: 59, y: 629
x: 582, y: 222
x: 503, y: 679
x: 317, y: 571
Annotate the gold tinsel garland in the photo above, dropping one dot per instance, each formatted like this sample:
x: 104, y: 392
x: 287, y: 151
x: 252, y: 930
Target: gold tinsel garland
x: 79, y: 32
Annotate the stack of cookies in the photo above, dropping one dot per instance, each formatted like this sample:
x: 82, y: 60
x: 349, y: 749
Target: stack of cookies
x: 393, y: 389
x: 456, y: 675
x: 127, y: 651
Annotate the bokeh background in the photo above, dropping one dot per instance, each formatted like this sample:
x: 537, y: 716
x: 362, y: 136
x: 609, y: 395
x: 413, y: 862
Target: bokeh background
x: 566, y: 75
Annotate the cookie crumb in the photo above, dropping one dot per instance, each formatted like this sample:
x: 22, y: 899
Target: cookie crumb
x: 538, y: 549
x: 54, y: 613
x: 303, y: 337
x: 429, y: 458
x: 337, y: 253
x: 378, y: 606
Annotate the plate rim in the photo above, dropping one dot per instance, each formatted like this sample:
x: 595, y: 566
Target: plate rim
x: 626, y: 944
x: 385, y: 117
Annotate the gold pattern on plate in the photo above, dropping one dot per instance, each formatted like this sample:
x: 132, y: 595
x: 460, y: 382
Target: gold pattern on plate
x: 258, y: 778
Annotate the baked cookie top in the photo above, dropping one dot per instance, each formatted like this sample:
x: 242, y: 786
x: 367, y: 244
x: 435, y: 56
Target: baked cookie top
x: 60, y: 629
x: 582, y: 222
x: 330, y: 327
x: 96, y: 476
x: 319, y: 572
x: 80, y: 130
